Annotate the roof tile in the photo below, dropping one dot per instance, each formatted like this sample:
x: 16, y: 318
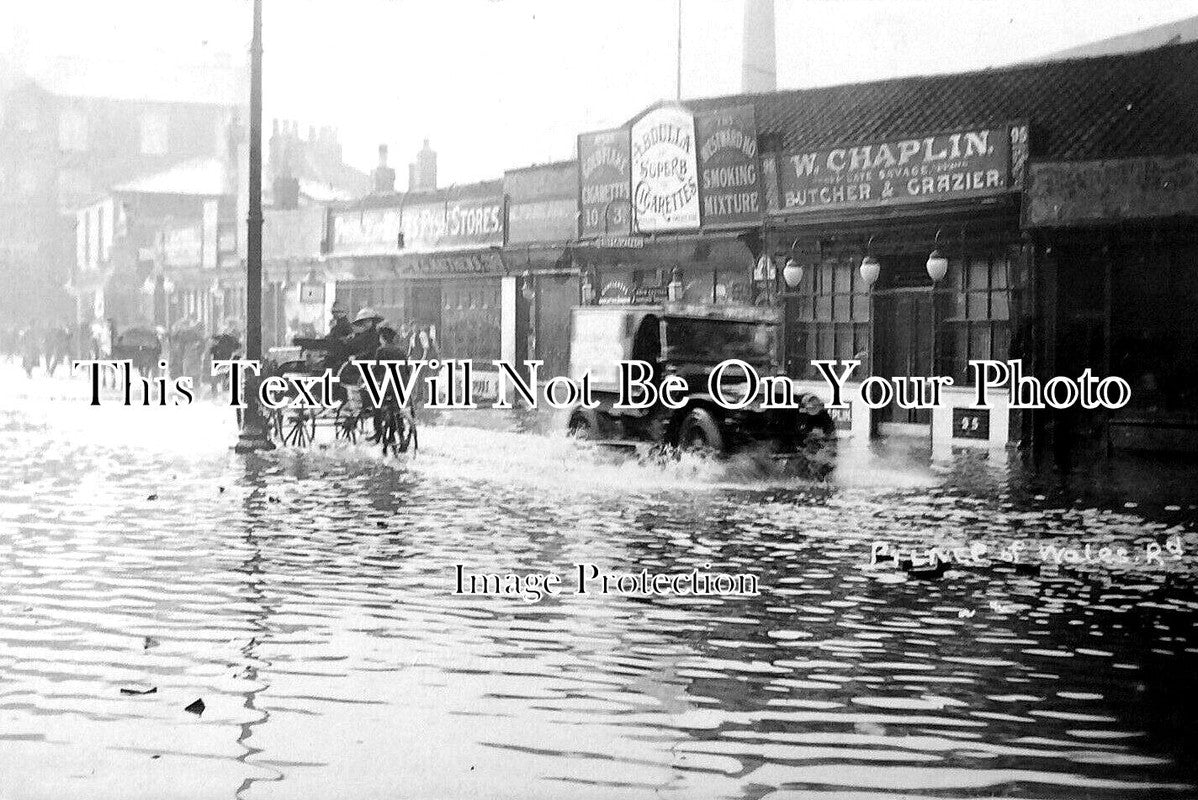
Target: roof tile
x: 1105, y: 107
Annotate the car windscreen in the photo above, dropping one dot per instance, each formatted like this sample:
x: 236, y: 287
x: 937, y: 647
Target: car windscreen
x: 714, y: 340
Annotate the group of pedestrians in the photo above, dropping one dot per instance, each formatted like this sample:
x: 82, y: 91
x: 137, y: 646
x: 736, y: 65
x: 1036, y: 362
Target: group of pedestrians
x: 47, y: 347
x: 39, y: 345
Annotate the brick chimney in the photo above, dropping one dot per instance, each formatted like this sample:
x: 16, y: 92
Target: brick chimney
x: 759, y: 66
x: 422, y: 175
x: 384, y: 176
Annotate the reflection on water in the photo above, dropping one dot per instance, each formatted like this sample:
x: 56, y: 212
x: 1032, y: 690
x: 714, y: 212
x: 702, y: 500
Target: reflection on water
x: 306, y: 597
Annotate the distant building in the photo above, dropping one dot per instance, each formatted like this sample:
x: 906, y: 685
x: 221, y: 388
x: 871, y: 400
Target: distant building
x: 315, y: 163
x: 31, y: 231
x: 62, y: 148
x: 133, y: 244
x: 170, y: 246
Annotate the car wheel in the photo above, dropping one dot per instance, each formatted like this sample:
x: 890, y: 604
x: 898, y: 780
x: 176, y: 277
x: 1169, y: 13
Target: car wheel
x: 701, y: 432
x: 584, y: 424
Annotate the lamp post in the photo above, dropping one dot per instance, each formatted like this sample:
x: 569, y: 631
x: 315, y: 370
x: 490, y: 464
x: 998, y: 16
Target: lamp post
x: 253, y: 428
x: 937, y: 267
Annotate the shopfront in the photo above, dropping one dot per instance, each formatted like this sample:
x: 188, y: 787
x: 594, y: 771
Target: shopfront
x: 712, y: 269
x: 671, y: 208
x: 542, y: 220
x: 1117, y: 251
x: 910, y: 260
x: 434, y: 263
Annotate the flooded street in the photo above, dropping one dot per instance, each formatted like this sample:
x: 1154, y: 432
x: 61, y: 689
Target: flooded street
x: 307, y: 597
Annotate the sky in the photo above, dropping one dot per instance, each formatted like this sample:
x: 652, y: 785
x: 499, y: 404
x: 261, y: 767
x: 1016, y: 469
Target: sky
x: 496, y: 84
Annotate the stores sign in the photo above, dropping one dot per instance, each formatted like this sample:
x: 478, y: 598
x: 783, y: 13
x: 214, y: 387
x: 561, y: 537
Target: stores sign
x: 426, y: 227
x: 941, y: 167
x: 665, y: 183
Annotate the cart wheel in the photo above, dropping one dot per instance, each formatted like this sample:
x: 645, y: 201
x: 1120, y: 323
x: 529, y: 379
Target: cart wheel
x: 274, y: 423
x: 302, y: 430
x: 399, y: 431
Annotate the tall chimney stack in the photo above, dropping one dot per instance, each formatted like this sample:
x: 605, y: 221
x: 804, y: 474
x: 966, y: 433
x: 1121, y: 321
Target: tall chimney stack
x: 422, y: 175
x: 758, y: 62
x: 384, y: 176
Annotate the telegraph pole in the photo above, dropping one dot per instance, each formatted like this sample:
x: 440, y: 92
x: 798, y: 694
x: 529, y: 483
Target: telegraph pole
x: 253, y: 428
x: 678, y: 63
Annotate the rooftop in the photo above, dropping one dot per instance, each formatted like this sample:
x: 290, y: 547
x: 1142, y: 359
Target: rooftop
x: 203, y: 177
x: 1179, y: 32
x: 1109, y: 106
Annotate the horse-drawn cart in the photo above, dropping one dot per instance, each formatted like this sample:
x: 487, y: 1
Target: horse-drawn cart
x: 345, y: 410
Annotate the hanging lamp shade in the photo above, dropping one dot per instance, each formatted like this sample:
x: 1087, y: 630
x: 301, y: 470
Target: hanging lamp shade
x: 871, y: 268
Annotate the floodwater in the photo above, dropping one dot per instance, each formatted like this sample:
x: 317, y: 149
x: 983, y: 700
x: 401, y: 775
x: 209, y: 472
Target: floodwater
x: 308, y: 599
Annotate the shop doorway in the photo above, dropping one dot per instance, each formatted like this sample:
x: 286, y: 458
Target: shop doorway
x: 903, y: 347
x: 424, y: 307
x: 556, y: 295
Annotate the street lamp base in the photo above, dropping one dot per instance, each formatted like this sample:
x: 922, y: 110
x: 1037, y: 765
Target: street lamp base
x: 253, y: 442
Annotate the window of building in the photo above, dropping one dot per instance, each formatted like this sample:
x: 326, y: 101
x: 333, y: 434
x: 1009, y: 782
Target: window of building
x: 155, y: 133
x: 975, y: 314
x: 470, y: 319
x: 72, y: 130
x: 386, y: 297
x: 830, y: 309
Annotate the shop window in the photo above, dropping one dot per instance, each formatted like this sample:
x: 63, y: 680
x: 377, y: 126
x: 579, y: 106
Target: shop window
x: 470, y: 320
x: 974, y: 309
x: 385, y: 297
x: 1154, y: 342
x: 733, y: 286
x: 829, y: 316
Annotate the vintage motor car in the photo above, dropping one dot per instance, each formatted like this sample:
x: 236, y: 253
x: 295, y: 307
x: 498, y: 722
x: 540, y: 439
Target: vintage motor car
x: 690, y: 342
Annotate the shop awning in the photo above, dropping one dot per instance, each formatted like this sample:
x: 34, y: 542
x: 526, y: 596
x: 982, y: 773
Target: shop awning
x: 695, y: 250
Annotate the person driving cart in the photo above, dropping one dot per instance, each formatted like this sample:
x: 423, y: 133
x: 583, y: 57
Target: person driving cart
x: 361, y: 345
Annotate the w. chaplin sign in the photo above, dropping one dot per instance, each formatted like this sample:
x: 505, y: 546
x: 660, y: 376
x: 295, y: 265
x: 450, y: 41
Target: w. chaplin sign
x: 944, y: 166
x: 665, y: 184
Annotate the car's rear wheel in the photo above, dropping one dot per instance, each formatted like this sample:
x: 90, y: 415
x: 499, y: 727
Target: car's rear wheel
x: 701, y: 432
x: 584, y: 424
